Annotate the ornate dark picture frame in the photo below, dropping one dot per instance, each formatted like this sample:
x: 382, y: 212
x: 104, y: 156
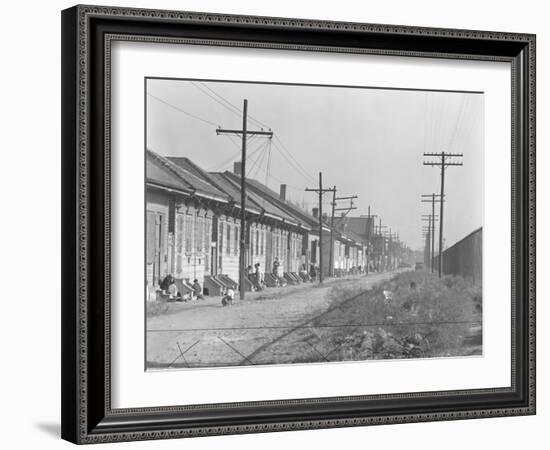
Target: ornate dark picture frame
x: 87, y: 33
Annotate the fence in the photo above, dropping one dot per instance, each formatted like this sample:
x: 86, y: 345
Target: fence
x: 465, y: 258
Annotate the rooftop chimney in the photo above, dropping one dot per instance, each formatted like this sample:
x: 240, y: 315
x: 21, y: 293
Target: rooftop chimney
x: 237, y: 167
x: 315, y: 212
x: 282, y: 192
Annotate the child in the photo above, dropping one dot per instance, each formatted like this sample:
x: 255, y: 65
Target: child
x: 173, y: 291
x: 197, y: 289
x: 227, y: 299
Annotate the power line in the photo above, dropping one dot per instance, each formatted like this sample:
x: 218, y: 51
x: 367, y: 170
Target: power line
x: 257, y: 160
x: 302, y: 173
x: 226, y: 103
x: 292, y: 157
x: 231, y: 105
x: 181, y: 110
x: 215, y: 99
x: 233, y: 141
x: 232, y: 157
x: 459, y: 121
x: 261, y: 161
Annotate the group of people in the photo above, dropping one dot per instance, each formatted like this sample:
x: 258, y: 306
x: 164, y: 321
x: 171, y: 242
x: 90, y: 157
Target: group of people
x: 168, y: 286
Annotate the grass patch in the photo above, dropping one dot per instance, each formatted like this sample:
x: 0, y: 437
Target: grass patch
x: 415, y: 314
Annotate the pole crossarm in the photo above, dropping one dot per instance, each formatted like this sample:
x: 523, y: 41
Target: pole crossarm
x: 345, y: 209
x: 443, y: 154
x: 247, y: 132
x: 319, y: 190
x: 346, y: 198
x: 446, y: 164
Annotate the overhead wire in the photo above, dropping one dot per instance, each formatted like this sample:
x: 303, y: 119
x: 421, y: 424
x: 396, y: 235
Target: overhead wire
x: 287, y: 155
x: 235, y: 155
x: 234, y: 107
x: 216, y: 100
x: 177, y: 108
x: 255, y: 162
x: 294, y: 165
x: 261, y: 160
x: 292, y: 157
x: 458, y: 122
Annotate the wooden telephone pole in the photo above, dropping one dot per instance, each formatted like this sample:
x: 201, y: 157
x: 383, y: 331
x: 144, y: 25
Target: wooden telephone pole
x: 369, y: 218
x: 244, y: 132
x: 334, y: 209
x: 320, y: 191
x: 431, y: 232
x: 445, y: 160
x: 433, y: 199
x: 382, y: 238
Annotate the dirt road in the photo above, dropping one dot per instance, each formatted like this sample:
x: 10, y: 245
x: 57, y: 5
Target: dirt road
x: 273, y: 327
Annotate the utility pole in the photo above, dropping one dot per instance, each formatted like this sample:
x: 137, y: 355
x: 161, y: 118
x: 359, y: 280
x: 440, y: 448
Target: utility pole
x: 244, y: 132
x: 445, y: 160
x: 320, y: 191
x: 426, y: 236
x: 334, y: 209
x: 382, y: 239
x: 369, y: 218
x: 431, y: 231
x: 390, y: 248
x: 331, y: 257
x: 433, y: 199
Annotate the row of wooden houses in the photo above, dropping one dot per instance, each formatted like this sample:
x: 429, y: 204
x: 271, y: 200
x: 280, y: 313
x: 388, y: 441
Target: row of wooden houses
x: 193, y: 227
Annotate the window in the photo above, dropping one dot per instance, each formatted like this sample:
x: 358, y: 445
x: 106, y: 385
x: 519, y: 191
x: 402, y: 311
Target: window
x: 207, y: 241
x: 237, y: 246
x: 221, y: 237
x: 179, y: 242
x: 228, y: 240
x: 262, y: 240
x: 151, y: 234
x: 199, y: 234
x: 188, y: 233
x: 257, y: 242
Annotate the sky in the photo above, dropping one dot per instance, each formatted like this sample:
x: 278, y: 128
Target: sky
x: 366, y: 141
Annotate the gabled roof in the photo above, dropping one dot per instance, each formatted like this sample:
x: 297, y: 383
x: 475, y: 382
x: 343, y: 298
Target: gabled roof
x: 185, y: 164
x: 157, y: 174
x: 161, y: 171
x: 232, y: 188
x: 233, y: 183
x: 354, y: 237
x: 272, y: 197
x: 359, y: 225
x: 182, y: 174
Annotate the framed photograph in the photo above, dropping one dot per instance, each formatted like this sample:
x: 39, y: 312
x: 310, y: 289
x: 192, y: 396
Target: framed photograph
x: 278, y: 224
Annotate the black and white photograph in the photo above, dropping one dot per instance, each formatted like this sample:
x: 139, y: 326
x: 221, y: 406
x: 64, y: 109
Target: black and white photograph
x: 299, y: 224
x: 274, y: 221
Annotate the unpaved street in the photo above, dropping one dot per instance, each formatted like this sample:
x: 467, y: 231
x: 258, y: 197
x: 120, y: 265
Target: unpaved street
x: 269, y: 327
